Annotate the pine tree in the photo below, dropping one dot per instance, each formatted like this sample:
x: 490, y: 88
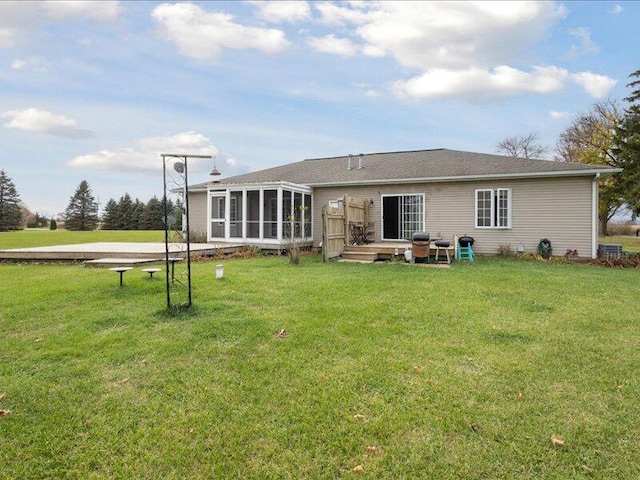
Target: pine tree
x: 138, y: 208
x: 110, y: 215
x: 628, y: 147
x: 152, y: 215
x: 82, y: 211
x: 125, y: 213
x: 10, y: 208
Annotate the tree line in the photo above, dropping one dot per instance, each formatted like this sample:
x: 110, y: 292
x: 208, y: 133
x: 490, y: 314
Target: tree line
x: 124, y: 214
x: 82, y: 211
x: 605, y: 135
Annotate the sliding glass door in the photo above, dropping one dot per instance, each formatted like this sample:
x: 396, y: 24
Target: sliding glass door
x: 402, y: 215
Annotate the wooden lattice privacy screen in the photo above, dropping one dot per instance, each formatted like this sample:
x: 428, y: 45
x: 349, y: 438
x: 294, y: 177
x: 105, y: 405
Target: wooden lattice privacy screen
x: 338, y: 224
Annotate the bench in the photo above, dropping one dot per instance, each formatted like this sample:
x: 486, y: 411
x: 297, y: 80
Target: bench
x: 151, y: 271
x: 121, y: 271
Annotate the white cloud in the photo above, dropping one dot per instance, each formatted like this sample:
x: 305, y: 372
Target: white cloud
x: 230, y: 161
x: 103, y: 10
x: 556, y: 115
x: 616, y: 9
x: 283, y: 11
x: 586, y: 45
x: 202, y: 35
x: 372, y: 93
x: 42, y: 121
x: 426, y: 35
x: 598, y: 86
x: 333, y: 14
x: 18, y: 18
x: 332, y: 44
x: 144, y: 157
x: 30, y: 64
x: 459, y: 48
x: 475, y: 83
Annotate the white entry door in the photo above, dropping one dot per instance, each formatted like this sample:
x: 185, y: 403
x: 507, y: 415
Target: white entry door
x: 218, y: 208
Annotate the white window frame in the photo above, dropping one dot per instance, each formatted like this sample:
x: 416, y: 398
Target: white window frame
x: 497, y: 220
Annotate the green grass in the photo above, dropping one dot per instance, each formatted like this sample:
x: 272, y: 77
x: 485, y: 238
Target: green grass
x: 629, y: 243
x: 43, y: 238
x: 103, y: 383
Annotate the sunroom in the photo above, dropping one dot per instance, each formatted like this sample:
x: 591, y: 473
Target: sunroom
x: 265, y: 214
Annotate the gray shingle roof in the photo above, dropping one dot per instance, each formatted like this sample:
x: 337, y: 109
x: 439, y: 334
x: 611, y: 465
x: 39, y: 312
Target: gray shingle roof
x: 401, y: 167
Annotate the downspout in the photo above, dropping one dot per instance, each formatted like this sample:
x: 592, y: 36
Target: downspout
x: 595, y: 222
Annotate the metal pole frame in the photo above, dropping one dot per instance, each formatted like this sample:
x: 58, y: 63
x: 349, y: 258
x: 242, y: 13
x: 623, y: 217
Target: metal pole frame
x: 172, y: 185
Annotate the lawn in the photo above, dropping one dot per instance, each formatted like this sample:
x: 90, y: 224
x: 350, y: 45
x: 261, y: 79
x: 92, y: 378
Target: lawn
x: 397, y: 371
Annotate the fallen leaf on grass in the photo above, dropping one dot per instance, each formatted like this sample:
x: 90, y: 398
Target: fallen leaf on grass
x: 557, y: 441
x: 282, y: 333
x: 372, y: 449
x: 520, y: 397
x: 358, y: 468
x: 587, y: 469
x: 4, y: 412
x: 358, y: 416
x: 416, y: 368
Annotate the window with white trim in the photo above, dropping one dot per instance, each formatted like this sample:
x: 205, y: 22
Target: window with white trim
x: 493, y: 208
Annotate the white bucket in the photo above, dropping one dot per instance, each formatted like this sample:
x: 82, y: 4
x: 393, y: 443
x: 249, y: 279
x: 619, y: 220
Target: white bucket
x: 219, y: 271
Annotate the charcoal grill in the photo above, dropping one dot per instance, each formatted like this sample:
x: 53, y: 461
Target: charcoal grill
x: 420, y: 246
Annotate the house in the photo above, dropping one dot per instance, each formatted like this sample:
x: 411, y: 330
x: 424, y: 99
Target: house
x: 497, y: 200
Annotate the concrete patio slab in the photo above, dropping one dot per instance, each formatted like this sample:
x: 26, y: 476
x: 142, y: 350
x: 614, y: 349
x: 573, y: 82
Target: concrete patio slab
x: 92, y: 251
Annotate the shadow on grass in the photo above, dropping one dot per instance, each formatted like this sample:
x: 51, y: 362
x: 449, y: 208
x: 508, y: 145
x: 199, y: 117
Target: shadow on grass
x: 178, y: 312
x: 506, y: 337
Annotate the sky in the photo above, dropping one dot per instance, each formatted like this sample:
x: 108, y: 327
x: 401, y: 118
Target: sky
x: 96, y: 91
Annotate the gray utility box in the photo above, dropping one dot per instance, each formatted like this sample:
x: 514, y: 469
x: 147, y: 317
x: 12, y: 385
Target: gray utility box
x: 609, y: 250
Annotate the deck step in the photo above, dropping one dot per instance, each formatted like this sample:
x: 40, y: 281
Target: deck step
x: 360, y: 256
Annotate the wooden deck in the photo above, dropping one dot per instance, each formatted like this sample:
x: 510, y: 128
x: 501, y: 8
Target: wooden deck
x: 385, y: 251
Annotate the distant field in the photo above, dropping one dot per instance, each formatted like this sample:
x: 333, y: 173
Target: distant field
x: 44, y: 238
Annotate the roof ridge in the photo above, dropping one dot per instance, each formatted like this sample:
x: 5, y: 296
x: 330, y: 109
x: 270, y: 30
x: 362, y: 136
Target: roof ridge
x: 377, y: 153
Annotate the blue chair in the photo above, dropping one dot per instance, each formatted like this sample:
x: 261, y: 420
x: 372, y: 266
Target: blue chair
x: 465, y: 251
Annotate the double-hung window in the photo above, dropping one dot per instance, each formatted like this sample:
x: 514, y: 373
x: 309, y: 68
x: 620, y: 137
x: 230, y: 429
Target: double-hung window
x: 493, y: 208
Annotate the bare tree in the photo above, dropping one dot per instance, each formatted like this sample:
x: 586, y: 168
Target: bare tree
x: 522, y: 146
x: 591, y: 139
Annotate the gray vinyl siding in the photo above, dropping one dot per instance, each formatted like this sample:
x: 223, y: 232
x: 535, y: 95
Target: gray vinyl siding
x: 198, y: 212
x: 558, y: 209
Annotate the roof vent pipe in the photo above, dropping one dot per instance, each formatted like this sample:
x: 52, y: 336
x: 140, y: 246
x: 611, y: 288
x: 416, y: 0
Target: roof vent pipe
x: 349, y: 166
x: 360, y: 166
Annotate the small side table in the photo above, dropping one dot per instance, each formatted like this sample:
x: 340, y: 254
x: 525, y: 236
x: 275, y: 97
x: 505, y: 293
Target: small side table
x: 151, y: 271
x: 121, y: 271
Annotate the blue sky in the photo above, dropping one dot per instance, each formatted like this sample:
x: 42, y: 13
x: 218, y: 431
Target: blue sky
x: 97, y: 90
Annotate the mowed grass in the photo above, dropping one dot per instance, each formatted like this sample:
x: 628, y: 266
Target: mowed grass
x: 43, y: 238
x: 408, y: 372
